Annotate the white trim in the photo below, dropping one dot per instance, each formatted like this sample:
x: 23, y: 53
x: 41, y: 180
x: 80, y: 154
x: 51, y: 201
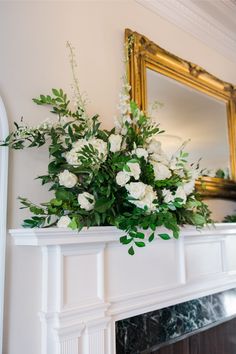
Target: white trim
x: 190, y: 18
x: 89, y: 281
x: 3, y: 210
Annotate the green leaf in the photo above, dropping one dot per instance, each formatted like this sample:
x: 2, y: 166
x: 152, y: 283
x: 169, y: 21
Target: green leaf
x: 125, y: 240
x: 62, y: 194
x: 140, y: 244
x: 73, y: 224
x: 131, y: 251
x: 103, y: 204
x: 139, y: 235
x: 55, y: 92
x: 151, y: 237
x: 164, y: 236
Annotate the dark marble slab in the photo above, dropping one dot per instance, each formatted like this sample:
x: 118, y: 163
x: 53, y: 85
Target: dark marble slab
x: 143, y: 333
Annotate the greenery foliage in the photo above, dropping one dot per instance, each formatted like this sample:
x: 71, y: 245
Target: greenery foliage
x: 120, y: 177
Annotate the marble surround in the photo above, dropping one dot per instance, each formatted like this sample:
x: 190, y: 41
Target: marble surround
x: 147, y: 332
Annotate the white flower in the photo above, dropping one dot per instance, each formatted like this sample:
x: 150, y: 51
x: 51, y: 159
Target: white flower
x: 72, y: 157
x: 64, y: 221
x: 79, y: 144
x: 67, y: 179
x: 115, y: 141
x: 98, y: 144
x: 143, y: 194
x: 147, y: 200
x: 161, y: 171
x: 189, y: 187
x: 140, y: 152
x: 86, y: 201
x: 136, y: 189
x: 180, y: 193
x: 173, y: 164
x: 134, y: 170
x: 122, y: 178
x: 154, y: 146
x: 168, y: 196
x: 162, y: 158
x: 101, y: 147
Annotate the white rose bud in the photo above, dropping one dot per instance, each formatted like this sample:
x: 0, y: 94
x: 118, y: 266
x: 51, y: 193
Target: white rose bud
x: 67, y: 179
x: 161, y: 171
x: 86, y: 201
x: 115, y: 141
x: 136, y: 189
x: 122, y: 178
x: 64, y: 221
x: 134, y: 169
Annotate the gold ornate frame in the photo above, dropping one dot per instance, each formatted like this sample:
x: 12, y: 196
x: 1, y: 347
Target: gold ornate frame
x: 142, y: 54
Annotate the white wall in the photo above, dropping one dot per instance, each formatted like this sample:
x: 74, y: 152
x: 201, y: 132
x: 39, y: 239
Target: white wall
x: 33, y: 59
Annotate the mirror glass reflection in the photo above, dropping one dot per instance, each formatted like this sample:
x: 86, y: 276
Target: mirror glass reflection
x: 185, y: 113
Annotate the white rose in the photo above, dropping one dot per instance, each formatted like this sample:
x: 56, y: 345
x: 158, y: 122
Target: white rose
x: 122, y: 178
x: 115, y: 141
x: 136, y: 189
x: 134, y: 169
x: 86, y: 201
x: 144, y: 199
x: 64, y: 221
x: 161, y: 171
x: 79, y: 144
x: 189, y: 187
x: 168, y: 196
x: 67, y: 179
x: 180, y: 193
x: 140, y: 152
x: 72, y: 157
x: 99, y: 145
x: 147, y: 200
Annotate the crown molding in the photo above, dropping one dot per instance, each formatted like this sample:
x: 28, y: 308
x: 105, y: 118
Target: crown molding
x: 190, y: 18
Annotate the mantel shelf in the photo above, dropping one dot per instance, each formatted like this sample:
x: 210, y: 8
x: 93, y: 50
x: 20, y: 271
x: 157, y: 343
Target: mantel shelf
x: 62, y: 236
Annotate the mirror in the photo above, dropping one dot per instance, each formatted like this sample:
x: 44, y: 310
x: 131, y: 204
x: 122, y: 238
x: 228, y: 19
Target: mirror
x: 191, y: 104
x: 3, y: 207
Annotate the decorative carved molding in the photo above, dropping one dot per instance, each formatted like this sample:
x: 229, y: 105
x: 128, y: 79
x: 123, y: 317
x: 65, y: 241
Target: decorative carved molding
x: 192, y: 19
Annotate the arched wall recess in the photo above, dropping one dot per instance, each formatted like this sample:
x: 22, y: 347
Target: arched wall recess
x: 3, y: 207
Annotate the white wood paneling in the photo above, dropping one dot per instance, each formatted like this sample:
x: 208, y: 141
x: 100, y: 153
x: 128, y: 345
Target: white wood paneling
x: 89, y: 281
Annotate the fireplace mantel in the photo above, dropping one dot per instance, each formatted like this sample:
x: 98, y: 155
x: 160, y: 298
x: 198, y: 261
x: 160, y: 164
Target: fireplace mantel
x: 89, y: 281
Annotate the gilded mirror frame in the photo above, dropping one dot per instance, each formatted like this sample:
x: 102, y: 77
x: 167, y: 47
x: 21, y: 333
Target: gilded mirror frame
x: 144, y: 54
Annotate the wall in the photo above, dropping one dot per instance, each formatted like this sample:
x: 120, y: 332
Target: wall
x: 33, y: 59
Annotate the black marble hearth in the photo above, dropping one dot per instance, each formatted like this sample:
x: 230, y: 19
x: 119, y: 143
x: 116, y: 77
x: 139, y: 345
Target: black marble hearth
x: 147, y: 332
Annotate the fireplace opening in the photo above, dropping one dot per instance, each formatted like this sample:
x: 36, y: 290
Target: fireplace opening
x: 206, y: 325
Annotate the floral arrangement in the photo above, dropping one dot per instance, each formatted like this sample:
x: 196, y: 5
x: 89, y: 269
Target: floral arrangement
x: 120, y: 177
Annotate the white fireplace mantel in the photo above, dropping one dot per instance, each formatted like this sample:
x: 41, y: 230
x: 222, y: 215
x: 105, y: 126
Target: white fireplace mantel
x: 89, y: 281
